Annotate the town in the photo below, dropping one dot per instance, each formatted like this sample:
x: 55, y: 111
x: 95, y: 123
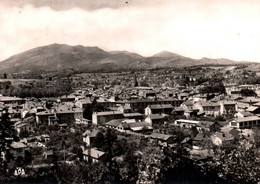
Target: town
x: 199, y: 124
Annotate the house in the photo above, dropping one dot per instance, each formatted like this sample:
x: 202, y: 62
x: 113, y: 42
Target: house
x: 17, y: 149
x: 211, y: 108
x: 200, y: 140
x: 155, y: 119
x: 254, y: 109
x: 135, y: 127
x: 143, y: 103
x: 61, y: 114
x: 45, y: 117
x: 129, y: 125
x: 187, y: 105
x: 228, y: 107
x: 11, y: 100
x: 92, y: 155
x: 83, y: 121
x: 250, y: 100
x: 201, y: 154
x: 234, y: 132
x: 158, y: 109
x: 185, y: 123
x: 147, y: 93
x: 20, y: 126
x: 125, y: 108
x: 135, y: 115
x: 183, y: 95
x: 66, y: 114
x: 100, y: 118
x: 243, y: 114
x: 246, y: 122
x: 48, y: 155
x: 89, y: 137
x: 178, y: 111
x: 115, y: 123
x: 86, y: 105
x: 45, y: 137
x: 222, y: 138
x: 68, y: 98
x: 208, y: 126
x: 162, y: 139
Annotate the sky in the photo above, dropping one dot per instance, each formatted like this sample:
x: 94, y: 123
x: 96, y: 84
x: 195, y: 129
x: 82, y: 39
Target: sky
x: 192, y: 28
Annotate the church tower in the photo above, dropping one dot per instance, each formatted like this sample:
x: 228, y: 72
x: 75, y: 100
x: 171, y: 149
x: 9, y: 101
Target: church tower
x: 135, y: 83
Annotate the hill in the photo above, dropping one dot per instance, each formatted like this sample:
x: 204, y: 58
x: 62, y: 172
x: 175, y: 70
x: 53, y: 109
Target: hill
x: 60, y: 57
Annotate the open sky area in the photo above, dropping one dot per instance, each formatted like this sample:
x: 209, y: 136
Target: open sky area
x: 192, y: 28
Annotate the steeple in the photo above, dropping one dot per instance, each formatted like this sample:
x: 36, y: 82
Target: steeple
x: 135, y: 83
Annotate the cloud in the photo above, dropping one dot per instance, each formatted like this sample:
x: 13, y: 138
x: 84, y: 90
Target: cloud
x: 83, y: 4
x: 191, y: 28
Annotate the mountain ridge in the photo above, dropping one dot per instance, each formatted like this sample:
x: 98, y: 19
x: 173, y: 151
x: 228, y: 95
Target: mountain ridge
x: 62, y: 56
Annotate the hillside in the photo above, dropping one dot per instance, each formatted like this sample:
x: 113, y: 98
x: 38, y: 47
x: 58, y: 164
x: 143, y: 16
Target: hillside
x: 79, y: 58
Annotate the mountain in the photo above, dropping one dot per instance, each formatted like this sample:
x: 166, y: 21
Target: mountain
x: 220, y: 61
x: 166, y: 54
x: 79, y: 58
x: 60, y: 56
x: 134, y: 55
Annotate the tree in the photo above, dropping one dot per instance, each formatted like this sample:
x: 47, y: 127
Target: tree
x: 256, y: 137
x: 238, y: 164
x: 7, y: 131
x: 151, y: 165
x: 213, y: 87
x: 24, y: 133
x: 6, y: 125
x: 99, y: 140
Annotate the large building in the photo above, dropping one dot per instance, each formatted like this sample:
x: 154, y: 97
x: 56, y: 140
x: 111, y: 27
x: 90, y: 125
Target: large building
x: 100, y: 118
x: 59, y: 115
x: 245, y: 123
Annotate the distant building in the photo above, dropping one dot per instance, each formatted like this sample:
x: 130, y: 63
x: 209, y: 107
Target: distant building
x: 100, y: 118
x: 254, y: 110
x: 89, y: 137
x: 162, y: 139
x: 158, y: 109
x: 245, y: 123
x: 201, y: 126
x: 143, y: 103
x: 129, y: 125
x: 155, y: 119
x: 243, y: 114
x: 211, y: 108
x: 17, y: 149
x: 11, y: 100
x: 59, y: 115
x: 93, y: 155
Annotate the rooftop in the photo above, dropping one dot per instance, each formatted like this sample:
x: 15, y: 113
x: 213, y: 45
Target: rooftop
x: 249, y: 118
x: 94, y: 153
x: 107, y: 113
x: 17, y: 145
x: 163, y: 106
x: 160, y: 136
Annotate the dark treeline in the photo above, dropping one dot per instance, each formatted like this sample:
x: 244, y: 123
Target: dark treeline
x: 38, y: 89
x: 251, y: 80
x: 135, y: 160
